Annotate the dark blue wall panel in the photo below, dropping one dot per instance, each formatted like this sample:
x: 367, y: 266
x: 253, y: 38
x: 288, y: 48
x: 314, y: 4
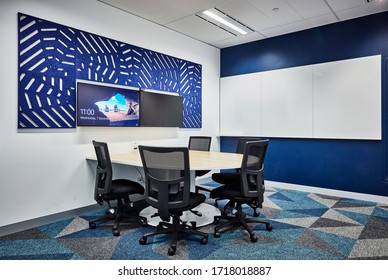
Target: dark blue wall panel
x: 350, y: 165
x: 349, y: 39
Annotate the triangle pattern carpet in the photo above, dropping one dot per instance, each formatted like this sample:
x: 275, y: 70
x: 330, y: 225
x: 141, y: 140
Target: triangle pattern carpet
x: 306, y: 226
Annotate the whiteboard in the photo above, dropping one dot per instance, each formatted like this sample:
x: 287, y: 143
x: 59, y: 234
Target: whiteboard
x: 347, y: 99
x: 240, y: 105
x: 340, y: 100
x: 287, y: 102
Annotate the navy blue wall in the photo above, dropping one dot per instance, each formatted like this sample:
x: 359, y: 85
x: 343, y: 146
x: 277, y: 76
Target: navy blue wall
x: 350, y: 165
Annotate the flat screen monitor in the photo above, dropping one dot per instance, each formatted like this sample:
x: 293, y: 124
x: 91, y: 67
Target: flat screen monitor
x: 107, y: 105
x: 160, y: 109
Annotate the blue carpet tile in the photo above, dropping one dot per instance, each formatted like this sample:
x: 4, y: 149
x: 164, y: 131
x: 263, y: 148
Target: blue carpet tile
x: 306, y: 226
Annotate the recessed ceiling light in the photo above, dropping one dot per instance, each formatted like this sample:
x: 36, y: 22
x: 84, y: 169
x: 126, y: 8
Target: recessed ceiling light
x: 224, y: 21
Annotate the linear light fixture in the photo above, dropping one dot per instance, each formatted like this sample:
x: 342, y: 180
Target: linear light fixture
x: 224, y: 21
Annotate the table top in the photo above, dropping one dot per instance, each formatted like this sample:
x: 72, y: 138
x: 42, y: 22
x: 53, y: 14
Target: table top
x: 199, y: 160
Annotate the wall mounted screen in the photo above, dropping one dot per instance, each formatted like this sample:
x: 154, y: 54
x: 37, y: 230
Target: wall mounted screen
x: 160, y: 109
x: 102, y: 105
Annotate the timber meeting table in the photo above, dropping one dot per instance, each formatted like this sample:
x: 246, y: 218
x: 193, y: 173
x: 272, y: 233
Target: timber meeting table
x: 199, y: 160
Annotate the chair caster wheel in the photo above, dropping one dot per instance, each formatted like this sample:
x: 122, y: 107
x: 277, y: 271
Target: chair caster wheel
x: 216, y: 220
x: 159, y: 227
x: 171, y: 251
x: 116, y: 232
x: 204, y: 240
x: 143, y: 240
x: 268, y: 227
x: 217, y: 234
x: 254, y: 238
x: 92, y: 225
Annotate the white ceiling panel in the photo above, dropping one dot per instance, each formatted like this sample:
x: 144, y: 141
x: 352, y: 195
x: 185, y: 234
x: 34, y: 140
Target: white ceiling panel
x: 245, y: 13
x: 353, y: 12
x: 286, y: 28
x: 322, y: 20
x: 338, y: 5
x: 309, y: 9
x: 267, y: 18
x: 240, y: 40
x: 160, y: 13
x: 198, y: 28
x: 278, y: 11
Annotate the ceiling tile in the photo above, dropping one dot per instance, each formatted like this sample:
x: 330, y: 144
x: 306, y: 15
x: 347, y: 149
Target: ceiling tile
x: 160, y: 13
x: 239, y: 40
x: 353, y: 12
x: 283, y: 15
x: 194, y: 6
x: 322, y: 20
x: 196, y: 27
x: 378, y: 6
x: 287, y: 28
x: 338, y: 5
x: 259, y: 15
x: 311, y: 8
x: 247, y: 14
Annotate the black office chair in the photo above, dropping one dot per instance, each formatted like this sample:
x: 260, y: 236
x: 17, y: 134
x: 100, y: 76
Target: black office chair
x: 249, y: 190
x: 167, y: 182
x: 107, y: 190
x: 200, y: 143
x: 231, y: 177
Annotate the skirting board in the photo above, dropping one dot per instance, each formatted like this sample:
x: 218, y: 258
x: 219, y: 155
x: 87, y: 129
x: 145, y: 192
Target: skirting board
x: 24, y: 225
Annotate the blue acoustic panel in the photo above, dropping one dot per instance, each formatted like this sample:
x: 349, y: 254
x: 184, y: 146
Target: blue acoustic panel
x: 46, y: 75
x: 53, y: 56
x: 190, y: 90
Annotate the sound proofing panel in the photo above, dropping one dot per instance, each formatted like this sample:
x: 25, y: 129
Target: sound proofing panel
x: 53, y: 56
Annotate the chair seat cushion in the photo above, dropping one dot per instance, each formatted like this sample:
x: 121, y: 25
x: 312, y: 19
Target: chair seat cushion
x: 122, y: 187
x: 227, y: 192
x: 226, y: 177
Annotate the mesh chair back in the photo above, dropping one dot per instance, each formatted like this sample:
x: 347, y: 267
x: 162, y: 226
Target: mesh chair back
x: 200, y: 143
x: 252, y: 169
x: 167, y: 178
x: 242, y: 141
x: 104, y: 171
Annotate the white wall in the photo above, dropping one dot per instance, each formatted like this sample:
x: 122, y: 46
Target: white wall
x: 44, y: 172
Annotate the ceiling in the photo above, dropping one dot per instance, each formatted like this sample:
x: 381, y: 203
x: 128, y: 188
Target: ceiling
x: 267, y: 18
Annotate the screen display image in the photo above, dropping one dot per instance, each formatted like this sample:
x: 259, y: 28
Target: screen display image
x: 161, y: 109
x: 100, y: 105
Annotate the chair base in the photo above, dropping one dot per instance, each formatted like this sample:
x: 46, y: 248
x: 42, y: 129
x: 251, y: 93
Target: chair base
x: 119, y: 216
x: 204, y: 189
x: 175, y: 229
x: 239, y: 219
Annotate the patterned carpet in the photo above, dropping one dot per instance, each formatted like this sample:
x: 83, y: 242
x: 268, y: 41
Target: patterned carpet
x: 306, y: 226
